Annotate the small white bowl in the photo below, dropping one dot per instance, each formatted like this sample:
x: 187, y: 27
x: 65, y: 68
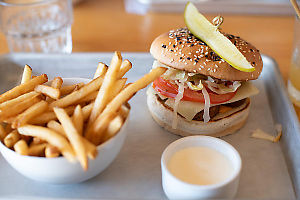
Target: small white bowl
x: 60, y: 170
x: 175, y: 188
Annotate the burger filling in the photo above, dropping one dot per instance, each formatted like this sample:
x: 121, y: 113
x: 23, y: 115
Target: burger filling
x: 215, y: 112
x: 176, y: 87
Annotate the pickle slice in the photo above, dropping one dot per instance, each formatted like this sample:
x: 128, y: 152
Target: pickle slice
x: 221, y: 45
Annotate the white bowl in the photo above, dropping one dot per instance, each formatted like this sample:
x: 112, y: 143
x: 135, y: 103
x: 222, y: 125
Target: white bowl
x: 175, y: 188
x: 59, y: 170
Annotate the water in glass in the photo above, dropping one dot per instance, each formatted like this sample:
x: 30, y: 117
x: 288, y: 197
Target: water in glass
x: 294, y: 75
x: 42, y: 26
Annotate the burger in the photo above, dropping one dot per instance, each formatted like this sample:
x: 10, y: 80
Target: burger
x: 200, y: 93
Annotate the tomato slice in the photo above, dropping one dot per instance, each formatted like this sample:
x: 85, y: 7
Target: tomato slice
x: 170, y: 90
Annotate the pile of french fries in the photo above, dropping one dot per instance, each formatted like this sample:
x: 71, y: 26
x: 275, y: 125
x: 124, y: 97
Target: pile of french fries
x: 51, y: 120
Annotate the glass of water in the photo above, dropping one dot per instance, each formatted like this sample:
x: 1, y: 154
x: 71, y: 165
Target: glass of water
x: 42, y: 26
x: 294, y: 75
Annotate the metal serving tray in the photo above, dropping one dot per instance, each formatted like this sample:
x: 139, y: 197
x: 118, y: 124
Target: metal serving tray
x: 270, y: 170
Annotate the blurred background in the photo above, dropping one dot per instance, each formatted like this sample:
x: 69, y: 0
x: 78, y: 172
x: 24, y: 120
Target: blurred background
x: 281, y: 7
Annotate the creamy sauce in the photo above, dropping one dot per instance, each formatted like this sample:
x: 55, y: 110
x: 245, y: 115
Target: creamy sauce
x: 200, y: 165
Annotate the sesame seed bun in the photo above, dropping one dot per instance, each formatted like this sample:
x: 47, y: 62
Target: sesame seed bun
x: 180, y: 49
x: 217, y: 128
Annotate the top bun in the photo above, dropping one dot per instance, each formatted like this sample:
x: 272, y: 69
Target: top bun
x: 180, y: 49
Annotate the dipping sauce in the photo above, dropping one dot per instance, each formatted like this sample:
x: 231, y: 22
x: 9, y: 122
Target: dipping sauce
x: 200, y: 165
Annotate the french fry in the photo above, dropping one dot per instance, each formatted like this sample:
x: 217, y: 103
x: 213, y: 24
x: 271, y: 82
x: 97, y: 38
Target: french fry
x: 23, y: 88
x: 91, y: 149
x: 37, y: 149
x: 107, y: 85
x: 86, y: 111
x: 51, y: 137
x: 119, y: 85
x: 95, y: 132
x: 79, y: 94
x: 8, y: 128
x: 9, y: 120
x: 36, y: 140
x: 18, y: 108
x: 73, y: 136
x: 12, y: 102
x: 11, y: 139
x: 129, y: 91
x: 124, y: 111
x: 101, y: 70
x: 48, y: 91
x: 115, y: 124
x: 56, y: 126
x: 88, y: 98
x: 125, y: 67
x: 70, y: 88
x: 25, y: 138
x: 113, y: 127
x: 78, y: 119
x: 120, y: 99
x: 48, y: 116
x: 3, y: 133
x: 21, y: 148
x: 51, y: 151
x: 30, y: 113
x: 26, y: 74
x: 57, y: 82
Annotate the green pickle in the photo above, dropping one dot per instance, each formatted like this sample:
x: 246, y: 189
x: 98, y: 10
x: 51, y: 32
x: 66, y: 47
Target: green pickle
x: 221, y: 45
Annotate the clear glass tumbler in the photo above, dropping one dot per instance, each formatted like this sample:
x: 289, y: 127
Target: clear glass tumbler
x: 294, y: 75
x: 42, y: 26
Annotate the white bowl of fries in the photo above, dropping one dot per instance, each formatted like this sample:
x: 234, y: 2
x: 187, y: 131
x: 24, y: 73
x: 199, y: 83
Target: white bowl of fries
x: 58, y: 169
x: 53, y: 131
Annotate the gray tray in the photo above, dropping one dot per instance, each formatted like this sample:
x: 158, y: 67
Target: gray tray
x: 270, y: 170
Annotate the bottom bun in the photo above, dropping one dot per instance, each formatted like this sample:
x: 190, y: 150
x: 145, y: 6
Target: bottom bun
x: 225, y: 126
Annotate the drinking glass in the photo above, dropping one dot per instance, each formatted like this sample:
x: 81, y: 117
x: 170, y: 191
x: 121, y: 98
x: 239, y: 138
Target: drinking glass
x: 37, y: 25
x: 294, y: 75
